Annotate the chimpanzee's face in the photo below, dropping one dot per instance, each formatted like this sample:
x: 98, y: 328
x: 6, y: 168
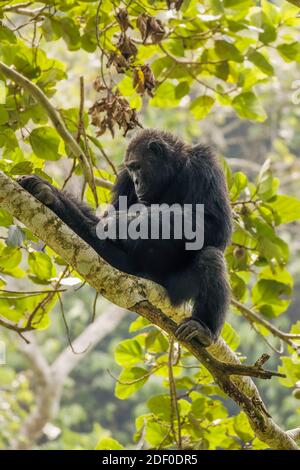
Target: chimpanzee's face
x: 150, y: 169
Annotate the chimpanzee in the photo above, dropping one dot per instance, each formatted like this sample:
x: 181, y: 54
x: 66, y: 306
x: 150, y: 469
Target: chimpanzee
x: 160, y: 169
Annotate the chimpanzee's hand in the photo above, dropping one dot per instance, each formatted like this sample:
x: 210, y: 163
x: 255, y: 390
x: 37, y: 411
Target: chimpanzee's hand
x: 39, y: 188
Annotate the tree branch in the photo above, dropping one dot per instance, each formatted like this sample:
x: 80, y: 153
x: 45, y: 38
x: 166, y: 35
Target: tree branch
x: 294, y: 434
x: 103, y: 183
x: 147, y: 299
x: 17, y: 6
x: 16, y: 9
x: 255, y: 317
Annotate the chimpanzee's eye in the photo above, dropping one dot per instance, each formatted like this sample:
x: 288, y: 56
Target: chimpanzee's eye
x: 133, y: 165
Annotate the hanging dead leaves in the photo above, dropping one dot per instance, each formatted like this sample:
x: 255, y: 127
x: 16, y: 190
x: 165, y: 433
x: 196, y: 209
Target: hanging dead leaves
x: 126, y: 46
x: 112, y: 108
x: 122, y: 18
x: 150, y: 27
x: 120, y: 63
x: 143, y: 80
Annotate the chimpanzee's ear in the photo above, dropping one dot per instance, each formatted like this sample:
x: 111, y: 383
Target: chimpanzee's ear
x: 157, y: 147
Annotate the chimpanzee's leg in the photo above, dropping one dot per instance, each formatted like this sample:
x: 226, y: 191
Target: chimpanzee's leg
x: 48, y: 194
x: 206, y: 282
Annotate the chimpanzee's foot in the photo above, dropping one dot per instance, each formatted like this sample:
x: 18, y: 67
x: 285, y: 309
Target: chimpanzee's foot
x: 192, y: 329
x: 39, y: 188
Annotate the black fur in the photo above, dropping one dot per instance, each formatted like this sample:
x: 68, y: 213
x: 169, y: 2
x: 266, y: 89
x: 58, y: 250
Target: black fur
x: 159, y: 168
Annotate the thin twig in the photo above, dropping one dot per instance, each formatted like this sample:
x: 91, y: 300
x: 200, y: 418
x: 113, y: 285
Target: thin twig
x: 68, y: 329
x: 81, y: 110
x: 173, y: 396
x: 17, y: 6
x: 70, y: 174
x: 33, y: 292
x: 134, y: 381
x: 98, y: 34
x: 94, y: 307
x: 104, y: 154
x: 250, y: 314
x: 104, y: 183
x: 81, y: 132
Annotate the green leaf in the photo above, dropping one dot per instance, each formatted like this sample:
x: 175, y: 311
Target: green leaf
x: 291, y: 368
x: 10, y: 257
x: 108, y: 443
x: 267, y: 296
x: 222, y: 71
x: 242, y: 427
x: 181, y: 90
x: 248, y: 106
x: 156, y: 433
x: 22, y: 168
x: 4, y: 117
x: 239, y: 182
x: 49, y: 79
x: 45, y: 143
x: 156, y: 342
x: 277, y: 273
x: 199, y: 406
x: 267, y: 187
x: 165, y: 96
x: 244, y: 238
x: 201, y: 106
x: 230, y: 336
x: 136, y: 102
x: 161, y: 65
x: 6, y: 35
x: 228, y: 51
x: 2, y: 92
x: 160, y: 405
x: 271, y: 11
x: 184, y: 407
x: 125, y: 86
x: 287, y: 208
x: 41, y: 265
x: 269, y: 244
x: 138, y: 324
x: 130, y: 380
x: 70, y: 117
x: 67, y: 28
x: 289, y: 52
x: 8, y: 140
x: 128, y: 353
x: 270, y: 33
x: 258, y: 59
x: 5, y: 218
